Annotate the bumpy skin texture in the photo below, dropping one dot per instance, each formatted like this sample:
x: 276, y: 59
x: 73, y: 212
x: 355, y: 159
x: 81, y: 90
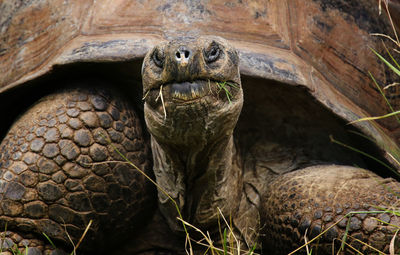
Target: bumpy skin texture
x: 190, y: 139
x: 54, y: 170
x: 195, y: 160
x: 315, y: 198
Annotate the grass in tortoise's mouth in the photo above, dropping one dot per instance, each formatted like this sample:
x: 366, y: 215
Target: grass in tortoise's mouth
x: 192, y: 91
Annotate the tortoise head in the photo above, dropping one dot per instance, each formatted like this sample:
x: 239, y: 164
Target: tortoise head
x: 192, y: 90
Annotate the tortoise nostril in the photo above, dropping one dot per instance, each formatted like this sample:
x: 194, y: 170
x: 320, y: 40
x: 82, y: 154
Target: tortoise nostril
x: 183, y: 54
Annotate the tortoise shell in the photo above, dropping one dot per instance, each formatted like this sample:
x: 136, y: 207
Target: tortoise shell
x: 323, y: 46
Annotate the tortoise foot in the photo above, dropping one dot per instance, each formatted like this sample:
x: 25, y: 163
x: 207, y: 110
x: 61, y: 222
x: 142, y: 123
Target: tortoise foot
x: 336, y: 205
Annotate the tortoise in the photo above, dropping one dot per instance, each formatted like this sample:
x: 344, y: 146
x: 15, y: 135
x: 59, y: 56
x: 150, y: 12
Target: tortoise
x: 225, y: 127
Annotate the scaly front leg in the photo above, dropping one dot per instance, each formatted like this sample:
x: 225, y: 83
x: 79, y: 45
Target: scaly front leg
x: 309, y: 201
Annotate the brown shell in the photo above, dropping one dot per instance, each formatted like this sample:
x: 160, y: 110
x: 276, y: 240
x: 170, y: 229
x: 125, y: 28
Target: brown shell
x: 323, y: 45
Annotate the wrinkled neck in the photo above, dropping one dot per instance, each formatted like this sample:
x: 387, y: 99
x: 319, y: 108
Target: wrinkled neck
x: 200, y: 179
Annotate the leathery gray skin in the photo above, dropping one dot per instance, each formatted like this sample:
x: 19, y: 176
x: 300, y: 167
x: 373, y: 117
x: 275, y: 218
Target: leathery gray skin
x: 195, y: 161
x: 192, y: 140
x: 59, y: 168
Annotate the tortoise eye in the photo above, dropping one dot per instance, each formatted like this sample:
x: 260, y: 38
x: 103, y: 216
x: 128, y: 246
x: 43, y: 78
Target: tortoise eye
x: 158, y: 57
x: 213, y: 53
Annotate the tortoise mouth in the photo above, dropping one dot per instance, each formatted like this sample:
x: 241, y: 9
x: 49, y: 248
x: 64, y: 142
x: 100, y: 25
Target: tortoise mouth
x: 188, y: 92
x: 192, y: 112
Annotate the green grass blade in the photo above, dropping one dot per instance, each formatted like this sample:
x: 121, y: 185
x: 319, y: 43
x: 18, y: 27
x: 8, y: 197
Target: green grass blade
x: 232, y: 85
x: 362, y: 135
x: 14, y: 250
x: 227, y: 95
x: 394, y: 60
x: 222, y: 86
x: 383, y: 95
x: 394, y: 69
x: 377, y: 117
x: 253, y: 249
x: 224, y: 243
x: 227, y: 91
x: 385, y: 210
x: 365, y: 154
x: 346, y: 232
x: 48, y: 239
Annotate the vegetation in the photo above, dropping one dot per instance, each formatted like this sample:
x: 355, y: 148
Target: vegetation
x: 231, y: 245
x: 393, y: 154
x: 15, y: 250
x: 223, y: 86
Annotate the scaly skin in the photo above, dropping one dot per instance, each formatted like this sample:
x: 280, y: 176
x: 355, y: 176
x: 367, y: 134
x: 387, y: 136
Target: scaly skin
x: 192, y: 140
x: 54, y: 171
x: 315, y: 198
x: 273, y: 199
x: 195, y: 160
